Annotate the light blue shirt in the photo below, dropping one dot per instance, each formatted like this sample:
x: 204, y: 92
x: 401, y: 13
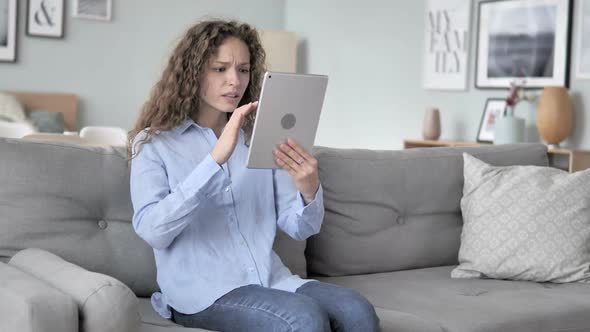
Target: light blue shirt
x: 212, y: 227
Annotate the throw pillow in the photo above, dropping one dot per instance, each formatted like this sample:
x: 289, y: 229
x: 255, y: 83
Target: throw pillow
x: 524, y: 223
x: 11, y: 109
x: 48, y: 122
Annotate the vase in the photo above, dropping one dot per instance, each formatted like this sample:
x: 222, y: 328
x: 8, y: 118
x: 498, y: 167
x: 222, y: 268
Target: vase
x: 528, y: 111
x: 509, y: 129
x: 555, y: 118
x: 431, y: 124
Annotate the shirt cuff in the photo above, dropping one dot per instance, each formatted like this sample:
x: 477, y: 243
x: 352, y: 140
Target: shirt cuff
x: 206, y: 180
x: 300, y: 206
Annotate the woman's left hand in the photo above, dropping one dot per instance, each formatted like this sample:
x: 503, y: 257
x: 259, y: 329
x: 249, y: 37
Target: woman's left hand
x: 302, y: 167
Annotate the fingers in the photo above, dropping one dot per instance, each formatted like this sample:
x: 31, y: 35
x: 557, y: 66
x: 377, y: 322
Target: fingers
x: 238, y: 116
x: 287, y: 159
x: 298, y: 154
x: 299, y: 149
x: 244, y: 110
x: 247, y: 108
x: 292, y: 154
x: 285, y: 166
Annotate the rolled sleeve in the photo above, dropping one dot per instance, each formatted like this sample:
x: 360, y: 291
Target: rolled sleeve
x: 316, y: 204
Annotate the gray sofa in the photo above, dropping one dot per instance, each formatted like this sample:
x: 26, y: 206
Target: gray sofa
x: 391, y: 231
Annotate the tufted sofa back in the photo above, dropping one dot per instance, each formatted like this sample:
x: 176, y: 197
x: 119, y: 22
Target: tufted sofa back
x: 74, y: 201
x: 397, y: 210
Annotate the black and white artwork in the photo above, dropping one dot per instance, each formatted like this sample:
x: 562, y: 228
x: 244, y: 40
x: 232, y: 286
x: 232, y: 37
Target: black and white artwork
x: 45, y: 18
x: 446, y: 44
x: 523, y: 39
x: 8, y: 24
x: 583, y: 55
x: 93, y: 9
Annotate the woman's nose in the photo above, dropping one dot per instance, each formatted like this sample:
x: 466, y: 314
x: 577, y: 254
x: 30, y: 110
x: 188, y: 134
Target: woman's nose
x: 233, y: 78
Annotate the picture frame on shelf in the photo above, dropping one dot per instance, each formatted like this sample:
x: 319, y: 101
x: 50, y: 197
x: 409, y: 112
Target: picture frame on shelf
x: 583, y: 44
x: 493, y: 109
x: 93, y: 9
x: 45, y: 18
x: 523, y: 39
x: 8, y: 30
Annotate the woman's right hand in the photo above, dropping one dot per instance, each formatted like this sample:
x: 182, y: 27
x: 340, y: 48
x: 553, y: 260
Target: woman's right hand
x: 229, y: 137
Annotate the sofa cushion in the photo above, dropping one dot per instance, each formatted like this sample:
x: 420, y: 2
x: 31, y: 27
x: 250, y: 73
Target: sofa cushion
x: 421, y: 300
x: 524, y: 223
x: 395, y: 210
x: 104, y: 303
x: 291, y: 252
x: 28, y: 304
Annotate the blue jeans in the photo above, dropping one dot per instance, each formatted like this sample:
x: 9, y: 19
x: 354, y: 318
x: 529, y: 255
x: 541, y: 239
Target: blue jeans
x: 314, y: 307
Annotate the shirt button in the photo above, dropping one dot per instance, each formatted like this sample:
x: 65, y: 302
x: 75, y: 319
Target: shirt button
x: 243, y: 243
x: 226, y: 189
x: 251, y: 269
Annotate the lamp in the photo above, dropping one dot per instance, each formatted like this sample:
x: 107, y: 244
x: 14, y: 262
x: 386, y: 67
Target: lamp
x: 554, y: 115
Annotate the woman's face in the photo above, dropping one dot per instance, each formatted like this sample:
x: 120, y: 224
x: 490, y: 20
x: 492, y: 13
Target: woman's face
x: 226, y: 76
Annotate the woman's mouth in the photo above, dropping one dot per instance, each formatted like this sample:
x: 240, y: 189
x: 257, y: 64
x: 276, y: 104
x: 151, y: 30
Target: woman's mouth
x: 231, y: 96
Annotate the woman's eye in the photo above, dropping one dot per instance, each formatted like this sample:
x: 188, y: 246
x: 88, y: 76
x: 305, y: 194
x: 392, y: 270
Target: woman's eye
x: 245, y: 70
x: 219, y: 69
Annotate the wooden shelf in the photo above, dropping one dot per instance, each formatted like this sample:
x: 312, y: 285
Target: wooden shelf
x: 414, y: 143
x: 570, y: 160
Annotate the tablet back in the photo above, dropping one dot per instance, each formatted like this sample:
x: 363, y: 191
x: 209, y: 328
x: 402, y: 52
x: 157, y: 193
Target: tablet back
x: 289, y: 107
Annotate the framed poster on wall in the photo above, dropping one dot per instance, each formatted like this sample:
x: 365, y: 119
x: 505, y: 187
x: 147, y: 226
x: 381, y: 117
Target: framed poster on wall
x: 583, y: 54
x: 45, y: 18
x: 93, y: 9
x: 446, y: 44
x: 523, y: 39
x: 8, y: 25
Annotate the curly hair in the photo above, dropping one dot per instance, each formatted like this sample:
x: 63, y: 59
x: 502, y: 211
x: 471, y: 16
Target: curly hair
x: 175, y: 97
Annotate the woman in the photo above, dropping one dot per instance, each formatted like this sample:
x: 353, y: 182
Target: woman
x: 210, y: 220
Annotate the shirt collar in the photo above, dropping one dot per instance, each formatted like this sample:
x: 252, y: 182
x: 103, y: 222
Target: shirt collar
x: 185, y: 125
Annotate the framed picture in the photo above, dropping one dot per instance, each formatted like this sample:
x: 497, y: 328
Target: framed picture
x: 583, y: 56
x: 524, y: 39
x: 93, y: 9
x: 493, y: 109
x: 8, y: 24
x: 45, y: 18
x: 446, y: 44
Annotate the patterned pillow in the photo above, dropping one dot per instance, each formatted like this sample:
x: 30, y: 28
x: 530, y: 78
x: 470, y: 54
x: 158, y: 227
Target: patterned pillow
x: 524, y: 223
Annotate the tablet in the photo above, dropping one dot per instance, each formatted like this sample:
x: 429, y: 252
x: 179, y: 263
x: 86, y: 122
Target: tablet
x: 289, y: 107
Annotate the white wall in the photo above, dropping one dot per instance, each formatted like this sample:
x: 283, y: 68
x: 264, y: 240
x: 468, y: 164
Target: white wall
x: 372, y: 51
x: 113, y: 65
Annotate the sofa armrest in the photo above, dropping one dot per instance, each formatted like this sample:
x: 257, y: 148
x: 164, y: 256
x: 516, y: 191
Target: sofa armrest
x: 28, y: 304
x: 104, y: 303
